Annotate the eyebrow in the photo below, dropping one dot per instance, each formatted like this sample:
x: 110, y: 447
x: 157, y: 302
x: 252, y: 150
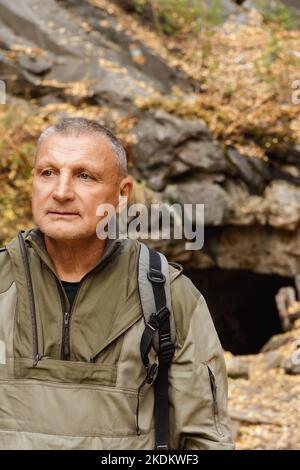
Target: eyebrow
x: 78, y: 167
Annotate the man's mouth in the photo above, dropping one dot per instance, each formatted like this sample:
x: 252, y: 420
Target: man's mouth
x: 63, y: 214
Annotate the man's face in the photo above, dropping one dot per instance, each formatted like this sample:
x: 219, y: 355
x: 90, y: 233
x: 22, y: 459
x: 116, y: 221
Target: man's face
x: 71, y: 177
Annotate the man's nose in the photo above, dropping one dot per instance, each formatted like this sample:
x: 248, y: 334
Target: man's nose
x: 64, y: 188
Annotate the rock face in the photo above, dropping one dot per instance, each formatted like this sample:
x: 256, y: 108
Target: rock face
x: 62, y: 46
x: 169, y: 148
x: 252, y: 206
x: 255, y: 204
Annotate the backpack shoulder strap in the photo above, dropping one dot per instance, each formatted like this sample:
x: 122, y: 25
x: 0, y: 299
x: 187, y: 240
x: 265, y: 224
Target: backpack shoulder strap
x: 147, y: 295
x: 155, y: 294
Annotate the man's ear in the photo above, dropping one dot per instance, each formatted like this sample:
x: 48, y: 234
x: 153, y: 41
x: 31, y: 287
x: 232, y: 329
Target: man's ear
x: 125, y: 193
x: 126, y: 187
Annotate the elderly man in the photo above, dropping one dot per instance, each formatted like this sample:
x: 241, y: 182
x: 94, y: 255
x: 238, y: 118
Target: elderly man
x: 71, y: 320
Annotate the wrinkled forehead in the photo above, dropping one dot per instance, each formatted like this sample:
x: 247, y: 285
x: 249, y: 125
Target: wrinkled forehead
x: 69, y: 150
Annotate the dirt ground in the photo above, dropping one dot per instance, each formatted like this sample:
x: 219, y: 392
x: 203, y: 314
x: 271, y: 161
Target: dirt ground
x: 265, y: 408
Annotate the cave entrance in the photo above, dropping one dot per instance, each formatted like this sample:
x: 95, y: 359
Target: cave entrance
x: 242, y: 304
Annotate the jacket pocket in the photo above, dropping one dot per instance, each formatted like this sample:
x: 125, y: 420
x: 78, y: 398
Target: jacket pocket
x: 59, y: 371
x: 215, y: 410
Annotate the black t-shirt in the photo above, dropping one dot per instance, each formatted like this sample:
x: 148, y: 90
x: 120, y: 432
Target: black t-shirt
x: 71, y: 289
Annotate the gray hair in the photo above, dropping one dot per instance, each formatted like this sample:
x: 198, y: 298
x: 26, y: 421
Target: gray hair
x: 80, y: 126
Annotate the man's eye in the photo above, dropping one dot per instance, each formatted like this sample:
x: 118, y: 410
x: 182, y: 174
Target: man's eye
x: 47, y: 173
x: 84, y: 176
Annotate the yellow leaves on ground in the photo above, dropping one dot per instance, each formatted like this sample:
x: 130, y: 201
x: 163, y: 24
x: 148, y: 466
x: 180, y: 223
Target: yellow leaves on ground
x: 265, y: 409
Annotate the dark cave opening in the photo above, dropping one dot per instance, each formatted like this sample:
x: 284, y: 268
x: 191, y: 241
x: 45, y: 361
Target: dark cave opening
x: 242, y: 304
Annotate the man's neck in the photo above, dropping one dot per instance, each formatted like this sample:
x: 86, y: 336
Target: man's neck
x: 74, y: 258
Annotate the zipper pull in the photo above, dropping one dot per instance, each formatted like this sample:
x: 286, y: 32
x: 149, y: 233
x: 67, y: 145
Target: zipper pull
x: 37, y: 358
x: 66, y: 319
x: 66, y: 335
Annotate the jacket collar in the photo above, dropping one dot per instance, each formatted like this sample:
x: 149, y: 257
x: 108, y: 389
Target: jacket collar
x: 35, y: 238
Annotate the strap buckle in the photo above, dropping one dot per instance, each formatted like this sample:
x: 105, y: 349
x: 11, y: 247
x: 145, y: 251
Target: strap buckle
x: 162, y: 314
x: 166, y: 352
x: 155, y: 276
x: 158, y: 318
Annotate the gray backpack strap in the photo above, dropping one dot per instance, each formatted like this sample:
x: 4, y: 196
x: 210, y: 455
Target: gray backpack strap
x: 155, y: 294
x: 146, y: 291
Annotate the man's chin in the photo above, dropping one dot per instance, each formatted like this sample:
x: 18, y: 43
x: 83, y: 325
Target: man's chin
x: 64, y: 232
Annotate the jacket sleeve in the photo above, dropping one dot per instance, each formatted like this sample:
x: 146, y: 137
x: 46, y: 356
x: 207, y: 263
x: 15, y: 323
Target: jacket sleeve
x: 197, y: 376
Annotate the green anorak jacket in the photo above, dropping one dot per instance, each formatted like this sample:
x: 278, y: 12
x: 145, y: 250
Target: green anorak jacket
x: 69, y: 377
